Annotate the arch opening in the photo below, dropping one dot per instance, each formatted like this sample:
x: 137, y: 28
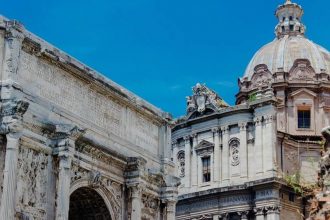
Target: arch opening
x: 86, y: 203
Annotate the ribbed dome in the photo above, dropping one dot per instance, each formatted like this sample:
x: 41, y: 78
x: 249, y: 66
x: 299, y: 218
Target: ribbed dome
x: 280, y: 54
x: 290, y: 44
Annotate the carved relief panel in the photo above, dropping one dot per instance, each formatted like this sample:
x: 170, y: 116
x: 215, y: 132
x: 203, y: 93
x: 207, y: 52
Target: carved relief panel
x: 181, y: 164
x: 234, y: 151
x: 32, y: 183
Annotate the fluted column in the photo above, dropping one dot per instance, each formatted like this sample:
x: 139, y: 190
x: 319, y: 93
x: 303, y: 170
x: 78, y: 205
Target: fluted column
x: 273, y: 213
x: 216, y: 167
x: 194, y: 165
x: 12, y: 127
x: 258, y: 146
x: 187, y: 161
x: 225, y: 155
x: 64, y: 140
x: 243, y: 150
x: 136, y: 198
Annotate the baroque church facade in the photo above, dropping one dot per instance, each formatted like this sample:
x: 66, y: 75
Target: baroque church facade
x: 235, y: 161
x: 75, y: 145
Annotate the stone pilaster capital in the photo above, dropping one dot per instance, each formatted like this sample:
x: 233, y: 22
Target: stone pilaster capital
x: 242, y: 126
x: 225, y: 129
x: 194, y: 135
x: 243, y: 214
x: 186, y: 138
x: 12, y: 112
x: 259, y: 211
x: 257, y: 120
x: 272, y: 209
x: 269, y: 118
x: 136, y: 189
x: 215, y: 130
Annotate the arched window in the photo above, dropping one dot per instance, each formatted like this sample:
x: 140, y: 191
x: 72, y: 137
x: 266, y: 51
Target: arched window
x: 181, y: 161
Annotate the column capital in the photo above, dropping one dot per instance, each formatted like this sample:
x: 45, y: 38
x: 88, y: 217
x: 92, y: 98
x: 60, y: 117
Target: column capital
x: 12, y: 112
x: 259, y: 211
x: 272, y: 209
x: 243, y: 214
x: 257, y: 120
x: 225, y: 128
x: 186, y: 138
x: 242, y: 126
x: 215, y: 130
x: 269, y: 118
x: 194, y: 135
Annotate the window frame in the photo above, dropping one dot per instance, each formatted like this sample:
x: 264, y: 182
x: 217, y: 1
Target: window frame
x: 206, y: 175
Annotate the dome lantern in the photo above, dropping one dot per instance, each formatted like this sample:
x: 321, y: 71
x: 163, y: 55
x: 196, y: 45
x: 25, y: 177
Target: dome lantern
x: 289, y: 15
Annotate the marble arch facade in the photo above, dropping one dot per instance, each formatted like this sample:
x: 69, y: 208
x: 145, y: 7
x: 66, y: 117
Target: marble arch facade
x: 64, y: 127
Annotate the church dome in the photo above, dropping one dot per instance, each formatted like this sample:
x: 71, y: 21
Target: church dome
x: 289, y: 45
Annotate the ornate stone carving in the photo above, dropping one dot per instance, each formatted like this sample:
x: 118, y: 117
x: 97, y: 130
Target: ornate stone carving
x: 302, y: 70
x: 78, y: 173
x: 204, y: 148
x: 261, y: 77
x: 202, y: 99
x: 259, y: 211
x: 181, y: 161
x: 272, y: 209
x: 150, y: 206
x: 32, y: 182
x: 234, y: 151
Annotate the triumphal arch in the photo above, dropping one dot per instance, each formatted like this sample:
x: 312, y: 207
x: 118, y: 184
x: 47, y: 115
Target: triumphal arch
x: 75, y: 145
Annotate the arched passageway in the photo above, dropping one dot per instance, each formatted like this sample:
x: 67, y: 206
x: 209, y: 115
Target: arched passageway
x: 87, y: 204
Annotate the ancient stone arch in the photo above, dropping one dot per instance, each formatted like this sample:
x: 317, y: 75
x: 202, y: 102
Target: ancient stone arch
x: 104, y: 193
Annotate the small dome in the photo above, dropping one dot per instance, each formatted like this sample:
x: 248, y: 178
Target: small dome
x: 280, y: 54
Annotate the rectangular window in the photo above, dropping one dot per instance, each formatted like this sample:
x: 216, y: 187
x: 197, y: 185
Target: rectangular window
x: 206, y: 161
x: 304, y: 118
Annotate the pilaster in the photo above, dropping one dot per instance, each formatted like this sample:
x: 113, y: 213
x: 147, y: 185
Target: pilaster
x: 187, y: 161
x: 136, y: 196
x: 259, y: 213
x: 243, y: 150
x: 194, y: 165
x: 273, y: 212
x: 64, y: 140
x: 225, y: 155
x: 12, y: 127
x: 259, y: 163
x: 270, y: 151
x: 216, y: 164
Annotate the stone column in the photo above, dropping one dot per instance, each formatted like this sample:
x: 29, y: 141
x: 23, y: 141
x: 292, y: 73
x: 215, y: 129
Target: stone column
x: 170, y: 210
x: 273, y: 213
x: 225, y: 155
x: 136, y: 195
x: 216, y: 217
x: 259, y: 213
x: 269, y: 146
x: 194, y: 163
x: 258, y: 146
x: 187, y: 155
x: 12, y: 127
x: 64, y: 140
x: 243, y: 150
x: 216, y: 170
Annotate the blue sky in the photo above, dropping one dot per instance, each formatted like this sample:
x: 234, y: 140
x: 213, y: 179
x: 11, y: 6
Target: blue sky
x: 160, y: 49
